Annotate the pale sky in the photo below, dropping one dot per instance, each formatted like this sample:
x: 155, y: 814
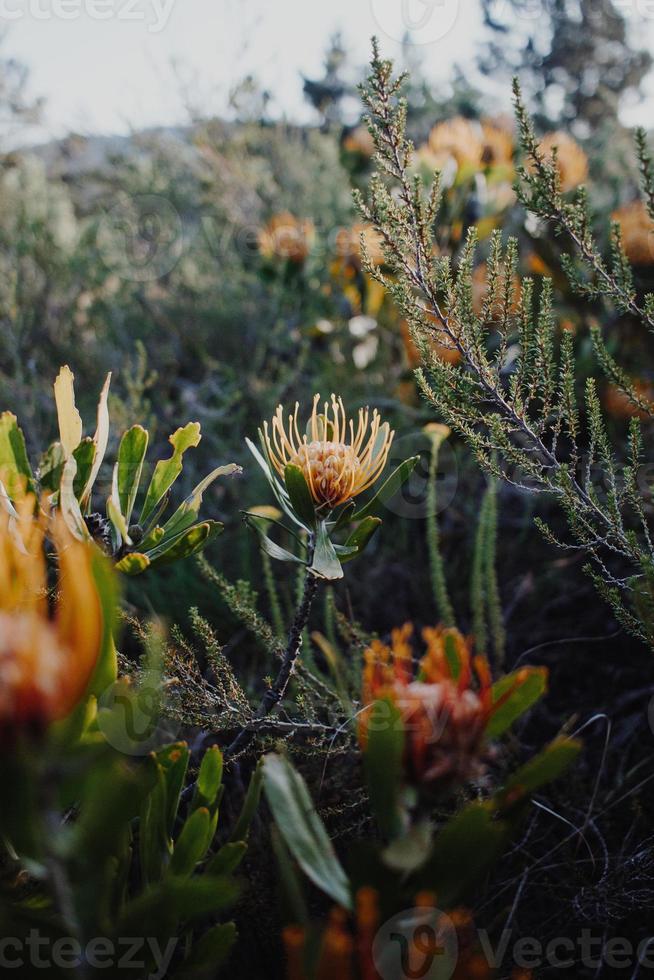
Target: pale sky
x: 105, y: 66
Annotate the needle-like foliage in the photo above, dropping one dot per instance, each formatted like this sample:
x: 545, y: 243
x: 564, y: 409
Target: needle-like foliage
x: 513, y: 393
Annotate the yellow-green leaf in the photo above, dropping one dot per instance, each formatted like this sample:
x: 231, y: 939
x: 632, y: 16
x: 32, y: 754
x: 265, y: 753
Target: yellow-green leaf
x: 70, y: 421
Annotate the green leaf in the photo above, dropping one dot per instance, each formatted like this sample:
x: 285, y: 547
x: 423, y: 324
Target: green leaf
x: 520, y: 700
x: 51, y: 466
x: 279, y: 491
x: 542, y: 769
x: 227, y: 859
x: 84, y: 454
x: 188, y: 511
x: 382, y: 763
x: 185, y: 544
x: 209, y: 778
x: 346, y: 516
x: 192, y: 843
x: 303, y: 830
x: 174, y: 760
x: 131, y: 455
x: 325, y: 562
x: 270, y: 547
x: 396, y: 480
x: 242, y: 826
x: 300, y: 495
x: 208, y: 953
x: 15, y: 469
x: 463, y: 853
x: 115, y: 515
x: 100, y: 439
x: 133, y: 563
x: 361, y: 536
x: 70, y: 508
x: 106, y: 669
x: 452, y: 654
x: 167, y: 470
x: 185, y: 900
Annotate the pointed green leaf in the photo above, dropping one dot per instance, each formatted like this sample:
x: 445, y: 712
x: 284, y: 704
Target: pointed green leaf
x: 542, y: 769
x: 68, y: 501
x: 131, y: 454
x: 361, y: 536
x: 185, y: 544
x: 208, y: 953
x: 188, y: 511
x: 531, y: 688
x: 192, y: 843
x: 303, y: 830
x: 84, y: 454
x: 209, y: 778
x: 396, y: 480
x: 382, y: 763
x: 51, y: 466
x: 325, y: 562
x: 167, y: 470
x: 250, y: 804
x: 15, y: 469
x: 270, y: 547
x: 100, y: 439
x: 226, y: 860
x: 300, y: 495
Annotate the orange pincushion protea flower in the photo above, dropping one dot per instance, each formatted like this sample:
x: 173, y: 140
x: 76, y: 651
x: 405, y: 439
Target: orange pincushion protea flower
x: 45, y: 661
x: 444, y: 714
x: 338, y: 461
x: 286, y: 237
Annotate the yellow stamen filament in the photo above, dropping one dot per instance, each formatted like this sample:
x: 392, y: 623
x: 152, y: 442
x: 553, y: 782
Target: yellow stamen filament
x: 339, y: 459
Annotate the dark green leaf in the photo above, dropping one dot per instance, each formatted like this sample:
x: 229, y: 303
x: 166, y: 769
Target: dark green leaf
x: 303, y: 830
x: 396, y: 480
x: 300, y: 495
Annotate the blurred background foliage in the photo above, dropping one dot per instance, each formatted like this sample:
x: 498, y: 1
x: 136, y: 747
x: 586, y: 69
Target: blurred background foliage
x: 216, y: 270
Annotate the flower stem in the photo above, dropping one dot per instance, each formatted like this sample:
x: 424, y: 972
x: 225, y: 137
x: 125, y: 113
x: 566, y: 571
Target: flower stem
x: 277, y: 689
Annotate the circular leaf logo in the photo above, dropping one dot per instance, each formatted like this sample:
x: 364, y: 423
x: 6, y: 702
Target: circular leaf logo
x: 417, y: 21
x: 141, y: 238
x: 417, y: 944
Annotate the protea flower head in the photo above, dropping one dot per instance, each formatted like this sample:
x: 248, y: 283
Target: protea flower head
x: 339, y: 459
x: 444, y: 710
x: 46, y: 660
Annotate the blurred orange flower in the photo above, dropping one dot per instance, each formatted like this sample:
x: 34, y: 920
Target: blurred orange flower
x: 46, y: 660
x: 637, y: 232
x: 348, y: 244
x: 286, y: 237
x: 620, y: 406
x: 445, y: 705
x: 571, y: 160
x: 470, y: 143
x: 359, y: 140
